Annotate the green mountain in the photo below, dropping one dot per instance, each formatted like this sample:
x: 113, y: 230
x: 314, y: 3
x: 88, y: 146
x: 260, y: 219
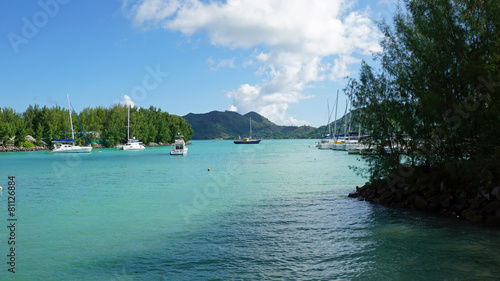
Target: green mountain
x: 229, y: 124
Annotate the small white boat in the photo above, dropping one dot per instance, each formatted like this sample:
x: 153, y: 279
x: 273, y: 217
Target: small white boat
x: 326, y: 144
x: 179, y: 146
x: 132, y: 144
x: 68, y: 145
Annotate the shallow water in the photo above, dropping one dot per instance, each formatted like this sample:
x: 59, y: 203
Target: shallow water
x: 277, y: 210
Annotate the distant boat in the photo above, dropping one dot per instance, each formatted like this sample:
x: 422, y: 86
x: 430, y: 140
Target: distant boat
x: 248, y: 140
x: 179, y: 146
x: 132, y: 144
x: 68, y: 145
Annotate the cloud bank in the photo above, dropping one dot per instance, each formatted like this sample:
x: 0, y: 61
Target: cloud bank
x: 295, y: 43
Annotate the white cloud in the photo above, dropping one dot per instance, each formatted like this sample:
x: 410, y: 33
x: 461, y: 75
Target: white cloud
x: 223, y: 63
x: 232, y: 108
x: 127, y: 101
x: 296, y: 43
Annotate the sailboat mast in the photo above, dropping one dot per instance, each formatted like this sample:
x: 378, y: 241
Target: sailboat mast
x: 336, y: 105
x: 250, y: 127
x: 345, y: 118
x: 70, y: 119
x: 128, y: 124
x: 329, y: 117
x: 350, y: 119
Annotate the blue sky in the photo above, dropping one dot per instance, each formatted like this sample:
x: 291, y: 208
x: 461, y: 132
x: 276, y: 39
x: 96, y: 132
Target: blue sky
x: 282, y: 59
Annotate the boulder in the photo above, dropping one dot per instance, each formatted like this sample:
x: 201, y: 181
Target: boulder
x: 386, y: 197
x: 496, y: 192
x: 492, y: 221
x: 492, y: 207
x: 475, y: 203
x: 477, y: 219
x: 432, y: 207
x: 445, y: 201
x: 353, y: 195
x: 420, y: 203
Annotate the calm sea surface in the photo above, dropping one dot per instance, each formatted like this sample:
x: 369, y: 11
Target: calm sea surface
x: 274, y: 211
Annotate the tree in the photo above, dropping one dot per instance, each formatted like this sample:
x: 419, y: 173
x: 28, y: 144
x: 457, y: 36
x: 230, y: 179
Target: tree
x: 434, y: 107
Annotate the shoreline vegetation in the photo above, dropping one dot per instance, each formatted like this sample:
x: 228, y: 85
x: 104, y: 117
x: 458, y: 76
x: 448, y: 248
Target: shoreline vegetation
x: 432, y: 111
x: 107, y: 127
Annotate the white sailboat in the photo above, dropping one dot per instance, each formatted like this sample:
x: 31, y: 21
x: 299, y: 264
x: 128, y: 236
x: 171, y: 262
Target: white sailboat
x: 68, y: 145
x: 132, y: 144
x: 328, y: 142
x: 179, y: 146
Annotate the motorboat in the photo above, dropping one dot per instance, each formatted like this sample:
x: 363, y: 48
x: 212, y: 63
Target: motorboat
x: 179, y: 146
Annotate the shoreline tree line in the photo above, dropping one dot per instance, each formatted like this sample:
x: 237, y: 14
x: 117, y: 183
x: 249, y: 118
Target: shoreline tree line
x: 106, y: 126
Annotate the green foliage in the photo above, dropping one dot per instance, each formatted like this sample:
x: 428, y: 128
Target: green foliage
x: 435, y: 102
x: 27, y: 144
x: 102, y: 125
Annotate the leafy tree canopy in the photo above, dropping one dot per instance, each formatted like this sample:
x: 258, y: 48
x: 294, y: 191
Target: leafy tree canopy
x: 433, y: 109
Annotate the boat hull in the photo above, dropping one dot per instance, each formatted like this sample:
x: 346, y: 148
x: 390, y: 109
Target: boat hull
x: 179, y: 152
x: 132, y: 146
x: 247, y: 142
x: 75, y: 149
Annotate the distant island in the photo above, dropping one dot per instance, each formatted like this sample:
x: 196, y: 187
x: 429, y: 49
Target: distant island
x: 229, y: 125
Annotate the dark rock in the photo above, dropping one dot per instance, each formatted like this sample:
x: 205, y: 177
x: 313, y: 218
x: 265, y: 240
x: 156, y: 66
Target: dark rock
x: 371, y: 197
x: 468, y: 213
x: 380, y: 190
x: 477, y: 219
x: 353, y: 195
x: 492, y: 207
x: 448, y: 213
x: 475, y: 203
x: 492, y: 221
x: 445, y: 201
x: 420, y: 203
x: 432, y: 207
x: 461, y: 202
x: 386, y: 197
x: 496, y: 192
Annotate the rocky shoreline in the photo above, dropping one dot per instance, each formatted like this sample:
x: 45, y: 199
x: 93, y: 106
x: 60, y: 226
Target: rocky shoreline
x: 46, y: 147
x: 21, y: 148
x: 482, y: 208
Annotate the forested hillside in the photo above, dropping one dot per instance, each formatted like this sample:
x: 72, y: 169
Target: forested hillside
x: 228, y: 125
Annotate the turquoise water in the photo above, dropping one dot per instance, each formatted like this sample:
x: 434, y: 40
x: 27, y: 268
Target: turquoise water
x: 273, y: 211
